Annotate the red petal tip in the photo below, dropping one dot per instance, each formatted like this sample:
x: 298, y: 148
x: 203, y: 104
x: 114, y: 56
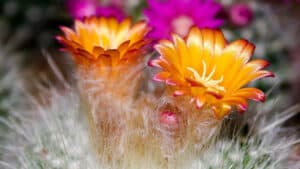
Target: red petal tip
x: 216, y: 95
x: 192, y: 100
x: 199, y: 104
x: 170, y: 82
x: 150, y: 63
x: 62, y: 27
x: 271, y: 75
x: 262, y: 98
x: 153, y: 63
x: 266, y: 64
x: 178, y: 93
x: 241, y: 111
x: 242, y: 108
x: 59, y: 38
x: 157, y: 78
x: 63, y: 50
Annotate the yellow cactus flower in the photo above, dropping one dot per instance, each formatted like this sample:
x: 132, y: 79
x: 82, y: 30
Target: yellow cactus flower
x: 209, y: 70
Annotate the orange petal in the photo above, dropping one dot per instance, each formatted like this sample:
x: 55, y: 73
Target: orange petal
x: 123, y: 47
x: 222, y: 111
x: 250, y: 93
x: 219, y: 43
x: 138, y: 31
x: 214, y: 93
x: 181, y: 50
x: 85, y: 54
x: 169, y: 54
x: 97, y: 51
x: 69, y: 33
x: 263, y: 73
x: 247, y: 52
x: 241, y: 103
x: 161, y: 77
x: 114, y: 55
x: 208, y: 47
x: 105, y: 60
x: 258, y: 64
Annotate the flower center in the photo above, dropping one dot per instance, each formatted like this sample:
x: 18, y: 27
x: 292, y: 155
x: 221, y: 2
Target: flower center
x: 182, y: 24
x: 207, y: 81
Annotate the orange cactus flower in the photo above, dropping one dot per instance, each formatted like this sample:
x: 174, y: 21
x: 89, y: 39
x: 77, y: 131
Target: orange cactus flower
x: 209, y: 70
x: 105, y: 41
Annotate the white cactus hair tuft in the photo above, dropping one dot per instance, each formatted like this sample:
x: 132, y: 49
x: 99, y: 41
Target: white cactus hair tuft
x: 54, y: 134
x: 49, y: 136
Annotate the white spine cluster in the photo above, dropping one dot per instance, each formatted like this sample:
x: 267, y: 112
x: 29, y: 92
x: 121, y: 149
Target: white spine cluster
x: 56, y: 136
x: 51, y: 136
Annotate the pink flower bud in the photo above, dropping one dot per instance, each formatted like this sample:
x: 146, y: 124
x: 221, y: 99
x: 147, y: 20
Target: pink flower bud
x: 169, y: 120
x: 240, y: 14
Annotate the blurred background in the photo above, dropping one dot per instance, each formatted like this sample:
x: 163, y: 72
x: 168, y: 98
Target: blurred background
x: 28, y: 29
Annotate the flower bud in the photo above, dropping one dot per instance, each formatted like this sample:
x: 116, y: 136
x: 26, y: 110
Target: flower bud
x: 240, y: 14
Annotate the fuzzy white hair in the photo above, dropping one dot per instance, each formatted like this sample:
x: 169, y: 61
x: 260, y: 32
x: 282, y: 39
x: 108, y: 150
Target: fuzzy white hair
x: 55, y: 135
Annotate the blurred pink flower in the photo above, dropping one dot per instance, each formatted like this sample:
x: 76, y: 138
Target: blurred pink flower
x: 240, y: 14
x: 85, y: 8
x: 81, y: 8
x: 119, y: 3
x: 178, y: 16
x: 110, y: 11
